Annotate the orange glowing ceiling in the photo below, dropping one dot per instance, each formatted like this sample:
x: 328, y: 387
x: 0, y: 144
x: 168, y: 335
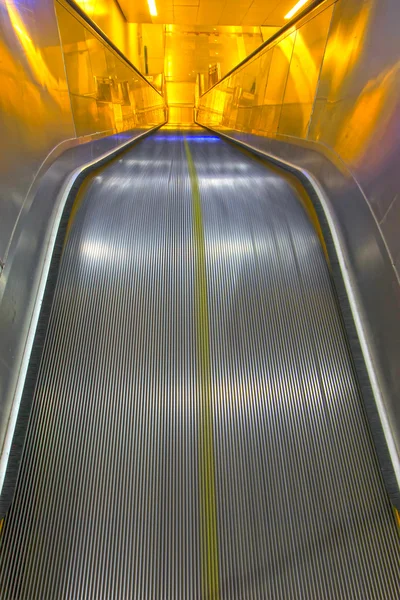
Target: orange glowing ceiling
x: 209, y: 12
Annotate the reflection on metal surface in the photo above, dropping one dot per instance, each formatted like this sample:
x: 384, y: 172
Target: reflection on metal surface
x: 37, y: 64
x: 376, y: 104
x: 357, y: 108
x: 305, y: 66
x: 152, y: 7
x: 295, y: 9
x: 106, y: 94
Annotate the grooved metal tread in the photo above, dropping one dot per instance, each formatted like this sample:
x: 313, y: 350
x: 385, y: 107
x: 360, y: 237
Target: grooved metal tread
x: 196, y: 430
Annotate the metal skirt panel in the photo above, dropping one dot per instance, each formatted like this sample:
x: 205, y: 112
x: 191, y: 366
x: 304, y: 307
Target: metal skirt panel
x: 138, y: 429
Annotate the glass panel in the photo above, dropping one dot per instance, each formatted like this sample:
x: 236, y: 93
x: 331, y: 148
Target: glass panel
x: 275, y: 88
x: 249, y: 83
x: 303, y: 75
x: 265, y: 64
x: 106, y: 94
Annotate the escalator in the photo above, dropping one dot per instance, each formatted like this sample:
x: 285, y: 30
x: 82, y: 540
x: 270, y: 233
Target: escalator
x: 197, y: 429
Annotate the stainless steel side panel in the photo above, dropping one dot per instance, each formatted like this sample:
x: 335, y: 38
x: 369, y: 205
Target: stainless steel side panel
x: 197, y: 430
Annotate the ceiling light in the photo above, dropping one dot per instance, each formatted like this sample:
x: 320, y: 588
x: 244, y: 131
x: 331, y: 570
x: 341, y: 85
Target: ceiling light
x: 152, y: 7
x: 294, y: 10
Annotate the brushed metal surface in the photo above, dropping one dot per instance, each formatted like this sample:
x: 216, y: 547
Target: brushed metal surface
x: 109, y: 502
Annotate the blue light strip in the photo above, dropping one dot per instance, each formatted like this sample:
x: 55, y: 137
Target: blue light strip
x: 190, y: 138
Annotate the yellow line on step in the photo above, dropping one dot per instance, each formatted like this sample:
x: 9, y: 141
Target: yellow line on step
x: 208, y: 504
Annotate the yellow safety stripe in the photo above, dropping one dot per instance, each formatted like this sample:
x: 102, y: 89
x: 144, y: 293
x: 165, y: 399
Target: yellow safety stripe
x: 208, y: 504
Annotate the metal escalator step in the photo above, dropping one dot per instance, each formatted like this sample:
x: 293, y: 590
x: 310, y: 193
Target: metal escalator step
x: 197, y: 429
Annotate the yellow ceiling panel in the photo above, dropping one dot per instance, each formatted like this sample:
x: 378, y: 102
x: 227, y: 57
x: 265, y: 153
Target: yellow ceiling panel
x: 233, y: 15
x: 185, y: 14
x: 136, y: 12
x: 277, y: 15
x: 253, y: 17
x: 209, y: 12
x: 259, y: 12
x: 186, y: 2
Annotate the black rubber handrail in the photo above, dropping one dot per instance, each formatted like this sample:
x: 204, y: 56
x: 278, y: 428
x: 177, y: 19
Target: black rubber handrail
x: 105, y: 38
x: 273, y: 37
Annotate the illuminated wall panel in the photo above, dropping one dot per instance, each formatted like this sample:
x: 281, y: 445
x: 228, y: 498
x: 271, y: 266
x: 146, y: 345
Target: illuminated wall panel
x: 304, y: 73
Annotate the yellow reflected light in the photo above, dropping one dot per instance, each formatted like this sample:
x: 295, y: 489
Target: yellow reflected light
x: 344, y: 52
x: 152, y: 7
x: 371, y: 114
x: 37, y: 63
x: 295, y: 9
x: 94, y: 8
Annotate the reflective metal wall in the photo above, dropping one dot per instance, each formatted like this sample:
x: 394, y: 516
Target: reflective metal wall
x: 35, y: 111
x: 334, y: 79
x: 357, y: 108
x: 109, y: 17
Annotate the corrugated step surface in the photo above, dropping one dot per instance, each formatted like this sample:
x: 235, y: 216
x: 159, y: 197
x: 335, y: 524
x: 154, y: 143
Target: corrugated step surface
x: 197, y: 429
